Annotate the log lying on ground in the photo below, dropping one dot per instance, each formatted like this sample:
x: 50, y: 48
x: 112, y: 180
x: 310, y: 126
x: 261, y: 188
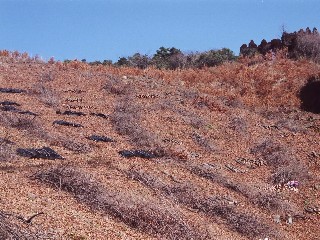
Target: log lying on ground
x: 11, y: 108
x: 65, y: 123
x: 9, y: 103
x: 71, y: 113
x: 11, y: 90
x: 97, y: 138
x: 45, y: 153
x: 102, y: 115
x: 139, y: 153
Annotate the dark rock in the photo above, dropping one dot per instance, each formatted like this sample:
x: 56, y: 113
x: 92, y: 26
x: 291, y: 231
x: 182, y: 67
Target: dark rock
x: 99, y: 115
x: 69, y: 124
x: 11, y: 90
x: 100, y: 138
x: 71, y: 113
x: 12, y: 108
x: 310, y: 97
x: 28, y: 113
x: 45, y: 153
x: 138, y: 153
x: 9, y: 103
x: 9, y: 108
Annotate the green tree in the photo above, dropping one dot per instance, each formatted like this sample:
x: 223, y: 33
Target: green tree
x: 215, y: 57
x: 168, y: 58
x: 139, y: 61
x: 123, y: 62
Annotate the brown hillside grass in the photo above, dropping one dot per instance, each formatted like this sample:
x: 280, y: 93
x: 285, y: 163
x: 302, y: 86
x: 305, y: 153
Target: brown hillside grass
x: 227, y: 141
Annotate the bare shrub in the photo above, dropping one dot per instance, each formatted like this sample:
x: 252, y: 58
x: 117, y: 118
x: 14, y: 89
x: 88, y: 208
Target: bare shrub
x: 126, y: 120
x: 272, y: 153
x: 308, y: 45
x: 249, y: 225
x: 159, y: 220
x: 19, y: 122
x: 203, y: 142
x: 9, y: 230
x: 238, y: 124
x: 48, y: 77
x: 293, y: 171
x: 285, y: 165
x: 46, y: 94
x: 6, y: 150
x: 116, y: 85
x: 26, y: 123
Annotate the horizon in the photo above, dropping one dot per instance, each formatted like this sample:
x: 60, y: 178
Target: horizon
x: 108, y: 30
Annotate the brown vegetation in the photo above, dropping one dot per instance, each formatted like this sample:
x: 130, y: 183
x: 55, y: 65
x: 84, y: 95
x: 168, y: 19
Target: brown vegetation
x: 225, y: 138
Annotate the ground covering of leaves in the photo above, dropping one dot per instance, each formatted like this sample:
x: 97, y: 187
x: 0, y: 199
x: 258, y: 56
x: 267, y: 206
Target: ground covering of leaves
x: 217, y: 151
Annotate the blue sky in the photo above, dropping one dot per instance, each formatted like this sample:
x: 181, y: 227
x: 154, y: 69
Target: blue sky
x: 98, y: 30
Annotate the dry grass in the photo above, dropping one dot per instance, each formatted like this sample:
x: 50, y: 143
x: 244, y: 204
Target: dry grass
x: 159, y: 220
x: 189, y: 113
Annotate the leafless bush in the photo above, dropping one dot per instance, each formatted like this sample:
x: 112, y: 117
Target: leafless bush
x: 6, y: 151
x: 250, y: 226
x: 29, y: 124
x: 308, y: 45
x: 238, y: 124
x: 20, y: 122
x: 46, y: 94
x: 272, y: 153
x: 126, y: 120
x: 285, y: 165
x: 159, y: 220
x: 117, y: 86
x: 293, y: 171
x: 48, y: 77
x: 9, y: 230
x: 203, y: 142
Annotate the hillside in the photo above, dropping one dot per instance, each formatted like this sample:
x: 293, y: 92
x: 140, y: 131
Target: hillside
x: 217, y: 153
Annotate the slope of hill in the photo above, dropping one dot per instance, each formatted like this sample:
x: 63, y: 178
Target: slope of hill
x: 217, y: 153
